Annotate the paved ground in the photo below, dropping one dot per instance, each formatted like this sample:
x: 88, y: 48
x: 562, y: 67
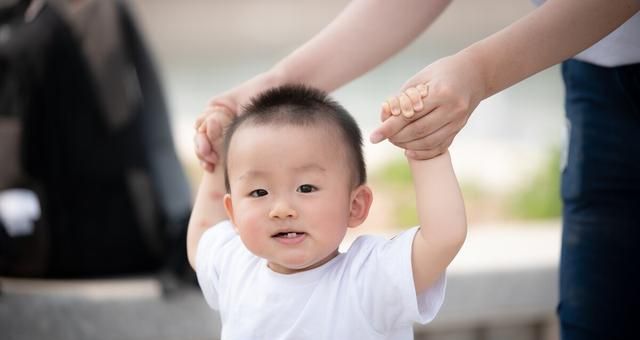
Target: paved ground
x: 505, y: 277
x: 180, y: 315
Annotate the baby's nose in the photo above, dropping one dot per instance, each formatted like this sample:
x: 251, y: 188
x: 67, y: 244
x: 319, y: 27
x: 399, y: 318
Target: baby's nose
x: 282, y: 210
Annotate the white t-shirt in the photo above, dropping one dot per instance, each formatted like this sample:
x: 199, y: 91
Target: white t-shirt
x: 365, y: 293
x: 620, y: 47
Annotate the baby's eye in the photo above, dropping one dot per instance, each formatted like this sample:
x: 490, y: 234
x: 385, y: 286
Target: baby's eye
x: 306, y: 188
x: 258, y: 193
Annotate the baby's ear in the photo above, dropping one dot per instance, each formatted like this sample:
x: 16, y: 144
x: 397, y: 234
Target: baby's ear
x: 361, y: 199
x: 228, y: 207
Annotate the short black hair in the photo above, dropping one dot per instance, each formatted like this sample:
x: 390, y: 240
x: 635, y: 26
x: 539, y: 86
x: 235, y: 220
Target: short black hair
x: 301, y: 105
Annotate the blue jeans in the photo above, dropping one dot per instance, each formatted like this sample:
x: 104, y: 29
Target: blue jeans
x: 600, y: 259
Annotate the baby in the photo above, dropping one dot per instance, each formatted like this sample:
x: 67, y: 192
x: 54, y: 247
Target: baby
x: 267, y: 222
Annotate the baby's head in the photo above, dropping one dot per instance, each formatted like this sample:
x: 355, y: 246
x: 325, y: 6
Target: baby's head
x: 298, y: 106
x: 295, y: 177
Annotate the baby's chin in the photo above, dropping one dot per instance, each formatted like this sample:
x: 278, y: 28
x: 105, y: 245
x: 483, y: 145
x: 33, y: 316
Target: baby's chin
x: 293, y: 266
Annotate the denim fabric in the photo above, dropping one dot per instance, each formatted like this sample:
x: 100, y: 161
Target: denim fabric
x: 600, y: 259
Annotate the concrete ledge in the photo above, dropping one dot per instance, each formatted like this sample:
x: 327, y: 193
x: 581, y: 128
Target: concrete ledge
x: 502, y: 286
x: 92, y: 290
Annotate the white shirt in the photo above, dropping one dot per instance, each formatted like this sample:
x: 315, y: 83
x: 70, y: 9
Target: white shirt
x: 620, y: 47
x: 365, y: 293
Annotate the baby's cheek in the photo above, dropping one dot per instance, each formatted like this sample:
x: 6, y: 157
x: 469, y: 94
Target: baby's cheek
x: 251, y: 231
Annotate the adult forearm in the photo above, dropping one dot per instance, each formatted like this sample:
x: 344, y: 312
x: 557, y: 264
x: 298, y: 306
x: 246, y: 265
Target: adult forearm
x: 366, y: 33
x: 555, y: 31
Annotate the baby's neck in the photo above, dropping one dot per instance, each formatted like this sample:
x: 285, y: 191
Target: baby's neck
x: 285, y: 270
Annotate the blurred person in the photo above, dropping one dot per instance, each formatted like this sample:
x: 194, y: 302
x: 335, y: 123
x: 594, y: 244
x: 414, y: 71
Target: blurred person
x: 295, y: 181
x: 600, y: 46
x: 91, y: 185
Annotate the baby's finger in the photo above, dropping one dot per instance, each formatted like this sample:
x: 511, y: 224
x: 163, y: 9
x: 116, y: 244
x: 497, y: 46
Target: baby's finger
x: 394, y: 104
x: 423, y: 89
x: 415, y: 97
x: 406, y: 106
x: 385, y: 112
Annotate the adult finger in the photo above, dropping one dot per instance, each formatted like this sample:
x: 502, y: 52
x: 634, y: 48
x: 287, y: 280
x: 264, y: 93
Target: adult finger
x: 385, y: 111
x: 395, y: 124
x: 427, y: 142
x: 431, y: 153
x: 228, y: 113
x: 209, y: 167
x: 214, y: 130
x: 215, y: 126
x: 204, y: 149
x: 199, y: 121
x: 420, y: 127
x: 208, y: 111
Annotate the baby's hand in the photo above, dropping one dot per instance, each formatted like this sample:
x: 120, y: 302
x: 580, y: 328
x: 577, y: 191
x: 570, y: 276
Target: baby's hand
x: 407, y: 103
x: 210, y: 127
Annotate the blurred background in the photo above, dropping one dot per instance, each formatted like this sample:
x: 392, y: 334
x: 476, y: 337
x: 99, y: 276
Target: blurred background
x: 509, y: 148
x: 508, y: 159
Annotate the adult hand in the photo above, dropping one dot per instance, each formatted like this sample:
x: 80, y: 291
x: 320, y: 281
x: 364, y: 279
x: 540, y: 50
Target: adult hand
x: 220, y: 111
x: 210, y: 128
x: 434, y: 106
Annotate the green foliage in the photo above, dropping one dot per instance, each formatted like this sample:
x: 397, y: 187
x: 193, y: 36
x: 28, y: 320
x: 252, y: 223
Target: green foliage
x: 395, y: 180
x: 540, y: 198
x: 472, y: 192
x: 395, y: 172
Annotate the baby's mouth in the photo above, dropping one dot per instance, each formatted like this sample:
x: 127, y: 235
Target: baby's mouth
x: 288, y: 234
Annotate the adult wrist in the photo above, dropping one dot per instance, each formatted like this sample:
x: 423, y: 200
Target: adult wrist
x: 481, y: 73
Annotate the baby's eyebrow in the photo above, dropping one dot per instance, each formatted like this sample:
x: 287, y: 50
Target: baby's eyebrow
x: 252, y: 174
x: 310, y: 167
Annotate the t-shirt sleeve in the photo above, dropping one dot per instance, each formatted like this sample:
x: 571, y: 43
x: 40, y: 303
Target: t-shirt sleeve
x: 209, y: 254
x: 386, y: 290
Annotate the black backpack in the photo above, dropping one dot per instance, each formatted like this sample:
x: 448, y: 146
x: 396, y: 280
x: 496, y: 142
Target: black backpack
x: 84, y: 127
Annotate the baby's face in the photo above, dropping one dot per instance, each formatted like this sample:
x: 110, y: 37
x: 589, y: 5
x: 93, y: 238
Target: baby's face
x: 290, y: 194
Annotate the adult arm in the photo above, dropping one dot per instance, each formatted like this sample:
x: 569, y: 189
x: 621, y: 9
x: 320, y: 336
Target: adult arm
x: 366, y: 33
x: 363, y: 35
x: 555, y: 31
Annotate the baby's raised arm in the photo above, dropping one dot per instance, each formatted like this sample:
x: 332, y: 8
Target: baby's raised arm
x: 443, y: 224
x: 208, y: 208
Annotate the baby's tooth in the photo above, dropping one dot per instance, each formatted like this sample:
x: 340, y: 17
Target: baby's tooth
x: 291, y: 235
